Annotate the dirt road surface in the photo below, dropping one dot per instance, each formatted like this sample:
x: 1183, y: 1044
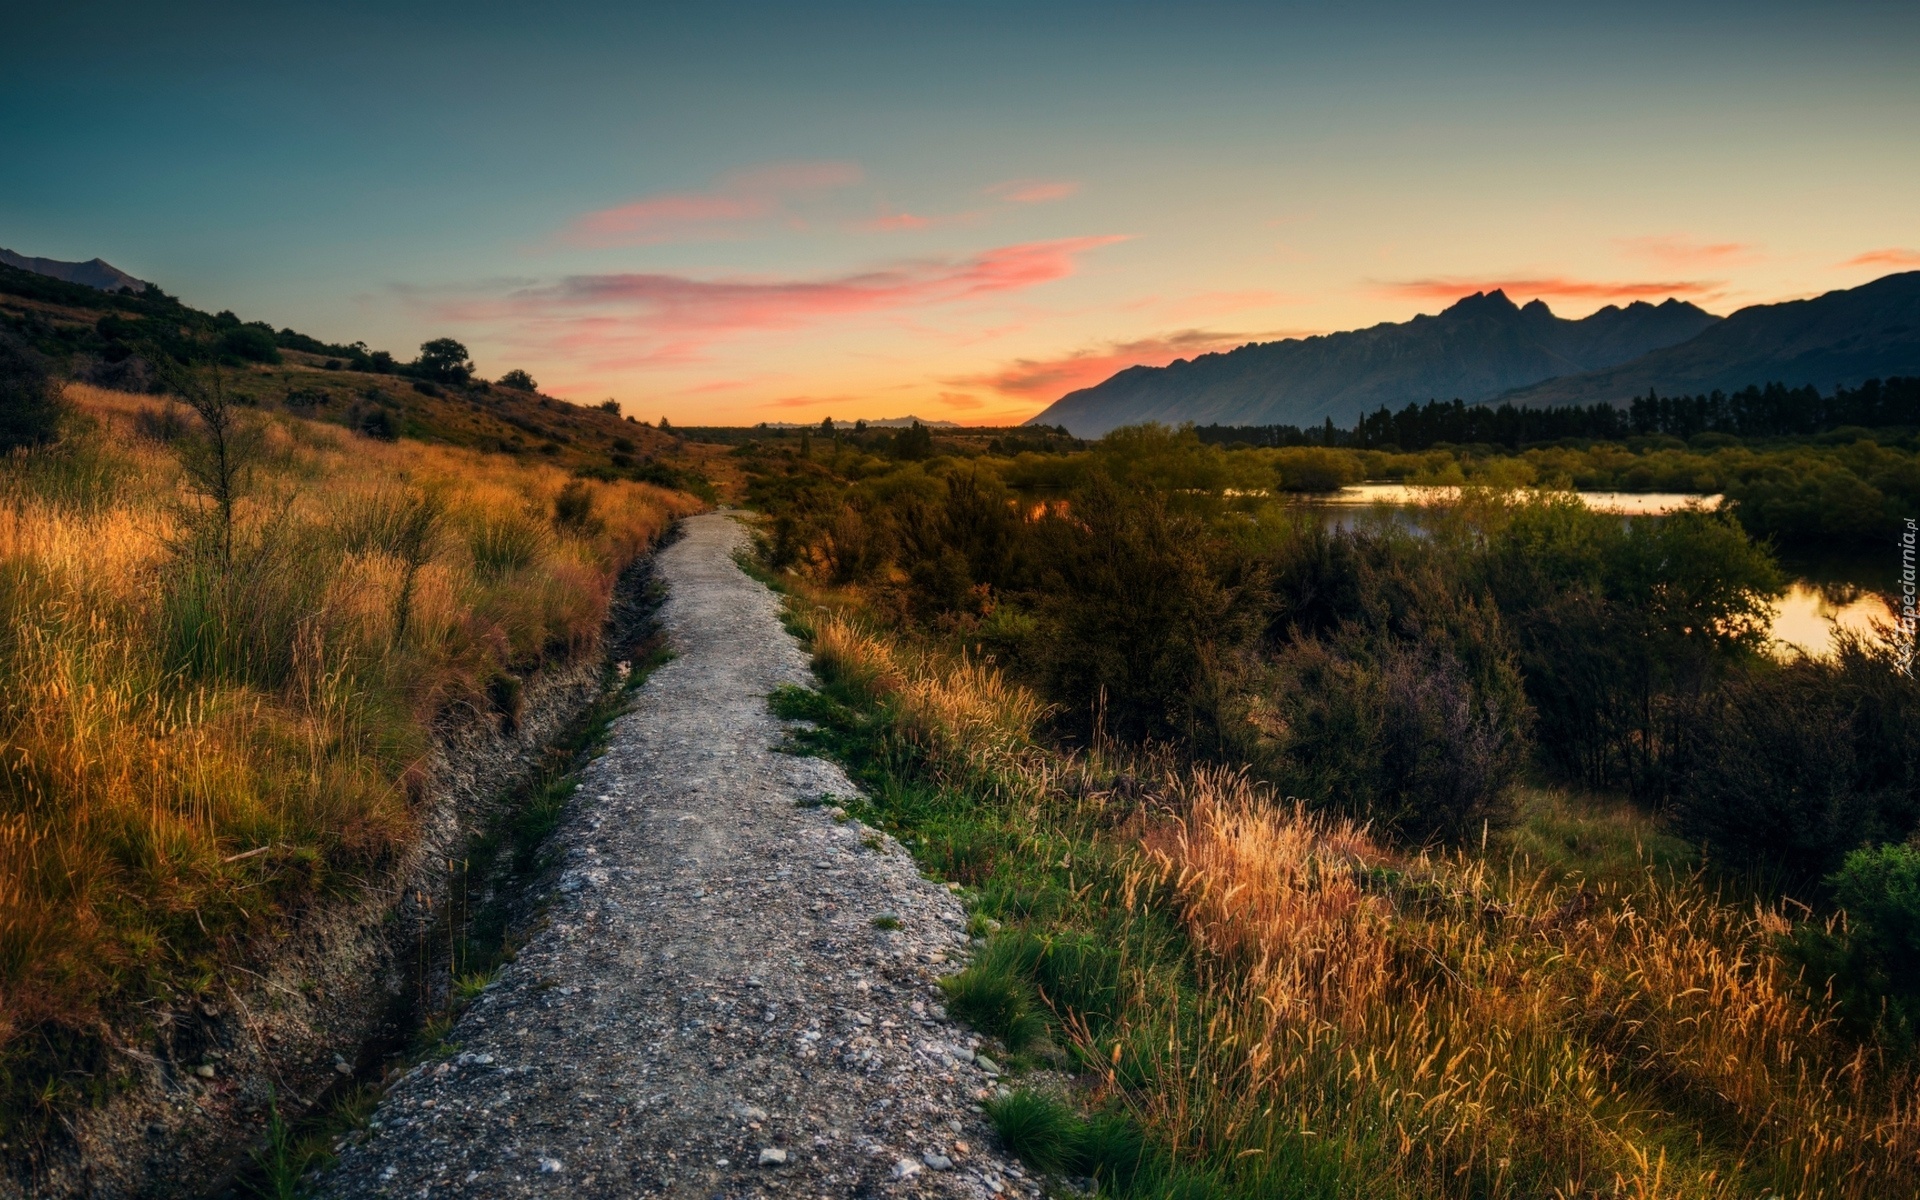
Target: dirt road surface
x: 709, y: 1008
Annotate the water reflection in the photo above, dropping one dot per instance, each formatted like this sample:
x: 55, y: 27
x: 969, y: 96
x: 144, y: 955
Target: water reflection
x: 1805, y: 618
x: 1408, y: 495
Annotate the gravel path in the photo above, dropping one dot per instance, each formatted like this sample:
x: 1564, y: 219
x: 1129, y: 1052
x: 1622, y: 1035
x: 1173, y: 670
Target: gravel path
x: 709, y: 1009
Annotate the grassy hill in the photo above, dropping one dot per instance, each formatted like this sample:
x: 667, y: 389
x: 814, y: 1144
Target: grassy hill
x: 221, y: 685
x: 114, y: 339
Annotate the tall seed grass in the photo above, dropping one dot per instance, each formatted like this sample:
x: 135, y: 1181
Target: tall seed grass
x: 196, y: 747
x: 1357, y: 1020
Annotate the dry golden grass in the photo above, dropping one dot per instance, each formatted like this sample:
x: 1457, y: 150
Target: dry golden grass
x: 971, y: 724
x: 192, y: 754
x: 1361, y: 1021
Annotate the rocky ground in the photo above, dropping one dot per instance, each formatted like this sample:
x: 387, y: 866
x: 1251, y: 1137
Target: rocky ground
x: 733, y: 991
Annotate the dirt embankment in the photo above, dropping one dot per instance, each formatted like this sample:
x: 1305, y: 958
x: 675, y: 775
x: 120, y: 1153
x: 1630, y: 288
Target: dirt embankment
x: 317, y: 1010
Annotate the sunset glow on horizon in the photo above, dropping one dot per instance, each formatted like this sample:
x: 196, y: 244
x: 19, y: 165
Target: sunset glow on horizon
x: 753, y: 213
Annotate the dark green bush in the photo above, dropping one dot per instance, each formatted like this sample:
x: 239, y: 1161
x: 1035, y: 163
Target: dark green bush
x: 443, y: 360
x: 1872, y: 958
x: 250, y: 343
x: 518, y: 380
x: 1796, y: 765
x: 1138, y: 613
x: 1625, y: 630
x: 30, y: 404
x: 379, y: 423
x: 1389, y: 692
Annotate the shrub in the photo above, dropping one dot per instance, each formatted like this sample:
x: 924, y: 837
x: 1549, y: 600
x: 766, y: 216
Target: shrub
x: 1394, y: 732
x: 379, y: 424
x: 1392, y: 695
x: 1800, y: 763
x: 1872, y: 959
x: 30, y: 404
x: 1134, y: 612
x: 573, y: 508
x: 1625, y: 630
x: 250, y: 343
x: 519, y: 381
x: 1317, y: 469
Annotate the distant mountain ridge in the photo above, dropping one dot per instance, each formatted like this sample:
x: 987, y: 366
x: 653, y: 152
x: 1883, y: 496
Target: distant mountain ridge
x: 94, y: 273
x: 1842, y: 338
x: 1481, y: 347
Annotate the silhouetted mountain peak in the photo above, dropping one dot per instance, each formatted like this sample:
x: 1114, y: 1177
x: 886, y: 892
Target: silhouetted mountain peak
x: 94, y: 273
x: 1493, y: 303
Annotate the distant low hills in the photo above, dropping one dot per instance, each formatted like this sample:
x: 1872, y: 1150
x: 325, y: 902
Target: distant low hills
x: 1481, y: 347
x: 94, y: 273
x: 1840, y: 339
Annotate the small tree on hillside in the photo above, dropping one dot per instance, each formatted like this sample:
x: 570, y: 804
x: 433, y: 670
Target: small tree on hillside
x: 519, y: 381
x: 445, y: 360
x: 217, y: 457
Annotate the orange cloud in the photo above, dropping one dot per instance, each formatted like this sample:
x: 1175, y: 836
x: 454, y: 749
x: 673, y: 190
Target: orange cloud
x: 1893, y: 256
x: 630, y: 320
x: 1033, y: 191
x: 1552, y: 285
x: 1051, y: 378
x: 737, y: 199
x: 1679, y: 250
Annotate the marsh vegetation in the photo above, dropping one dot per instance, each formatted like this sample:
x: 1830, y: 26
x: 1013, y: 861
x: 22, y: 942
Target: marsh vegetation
x: 1505, y: 858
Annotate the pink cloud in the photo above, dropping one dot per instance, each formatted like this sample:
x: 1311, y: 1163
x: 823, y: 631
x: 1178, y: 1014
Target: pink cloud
x: 892, y: 222
x: 1679, y: 250
x: 1893, y: 256
x: 737, y: 199
x: 1033, y: 191
x: 1552, y: 285
x: 633, y: 320
x: 1051, y: 378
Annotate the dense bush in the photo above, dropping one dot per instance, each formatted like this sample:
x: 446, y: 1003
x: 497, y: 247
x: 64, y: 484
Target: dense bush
x: 30, y: 403
x: 1317, y: 469
x: 1807, y: 761
x: 518, y: 380
x: 1625, y: 629
x: 1872, y: 957
x: 250, y: 343
x: 1137, y: 616
x: 1392, y: 694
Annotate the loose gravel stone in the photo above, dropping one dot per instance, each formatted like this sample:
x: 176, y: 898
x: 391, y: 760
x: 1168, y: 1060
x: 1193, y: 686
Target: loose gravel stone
x: 709, y: 1009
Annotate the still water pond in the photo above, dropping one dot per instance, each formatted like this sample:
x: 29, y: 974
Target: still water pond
x: 1806, y: 616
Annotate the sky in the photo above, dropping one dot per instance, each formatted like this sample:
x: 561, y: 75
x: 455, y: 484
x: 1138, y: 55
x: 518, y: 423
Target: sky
x: 729, y: 213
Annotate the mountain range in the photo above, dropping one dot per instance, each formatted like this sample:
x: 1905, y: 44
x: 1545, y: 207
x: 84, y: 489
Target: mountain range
x: 94, y: 273
x: 1843, y: 337
x: 1485, y: 347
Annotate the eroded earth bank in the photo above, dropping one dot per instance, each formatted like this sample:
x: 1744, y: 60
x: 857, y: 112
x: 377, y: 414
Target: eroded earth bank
x: 717, y: 1003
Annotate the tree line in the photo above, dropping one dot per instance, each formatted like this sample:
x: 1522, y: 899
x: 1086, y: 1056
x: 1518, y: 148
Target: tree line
x: 1773, y: 410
